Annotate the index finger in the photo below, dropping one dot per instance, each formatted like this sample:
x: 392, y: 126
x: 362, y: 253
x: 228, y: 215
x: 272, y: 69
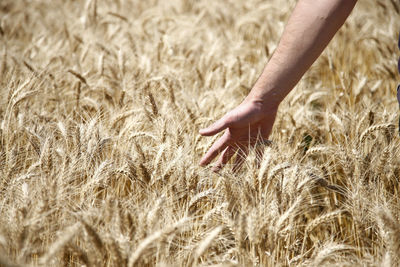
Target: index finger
x: 215, y: 149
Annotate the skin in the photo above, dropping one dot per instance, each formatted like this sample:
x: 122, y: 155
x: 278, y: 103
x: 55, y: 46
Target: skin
x: 310, y: 28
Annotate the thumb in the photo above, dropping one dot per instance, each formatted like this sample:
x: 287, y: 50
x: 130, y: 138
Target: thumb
x: 216, y: 127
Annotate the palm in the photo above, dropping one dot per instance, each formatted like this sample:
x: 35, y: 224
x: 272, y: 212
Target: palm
x: 244, y: 125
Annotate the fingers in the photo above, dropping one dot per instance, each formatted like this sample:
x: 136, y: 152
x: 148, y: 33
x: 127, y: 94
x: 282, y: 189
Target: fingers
x: 228, y: 150
x: 215, y: 149
x: 224, y: 158
x: 240, y: 139
x: 216, y: 127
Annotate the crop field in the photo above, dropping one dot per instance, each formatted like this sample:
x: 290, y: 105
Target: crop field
x: 101, y: 102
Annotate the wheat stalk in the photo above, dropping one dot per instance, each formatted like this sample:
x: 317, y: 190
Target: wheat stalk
x: 372, y: 129
x: 204, y: 245
x: 62, y: 241
x: 322, y: 220
x: 134, y: 258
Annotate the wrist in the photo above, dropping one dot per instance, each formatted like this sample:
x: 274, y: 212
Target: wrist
x: 266, y: 96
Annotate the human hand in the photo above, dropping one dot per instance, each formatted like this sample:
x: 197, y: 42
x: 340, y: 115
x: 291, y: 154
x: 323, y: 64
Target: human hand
x: 245, y: 125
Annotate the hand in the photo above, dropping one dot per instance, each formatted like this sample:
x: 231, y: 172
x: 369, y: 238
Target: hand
x: 247, y: 123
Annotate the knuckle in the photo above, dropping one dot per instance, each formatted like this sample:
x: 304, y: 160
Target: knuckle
x: 229, y: 118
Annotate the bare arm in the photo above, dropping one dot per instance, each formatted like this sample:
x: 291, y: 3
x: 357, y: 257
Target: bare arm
x: 311, y: 26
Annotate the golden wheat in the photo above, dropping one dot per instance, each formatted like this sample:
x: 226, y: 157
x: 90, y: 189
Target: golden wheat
x: 100, y: 106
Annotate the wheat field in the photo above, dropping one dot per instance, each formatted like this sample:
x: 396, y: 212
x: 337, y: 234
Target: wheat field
x: 100, y: 106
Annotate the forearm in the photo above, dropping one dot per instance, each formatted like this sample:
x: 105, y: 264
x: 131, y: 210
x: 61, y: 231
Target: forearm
x: 311, y: 26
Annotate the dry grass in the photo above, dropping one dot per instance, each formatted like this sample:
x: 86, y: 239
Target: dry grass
x: 100, y: 106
